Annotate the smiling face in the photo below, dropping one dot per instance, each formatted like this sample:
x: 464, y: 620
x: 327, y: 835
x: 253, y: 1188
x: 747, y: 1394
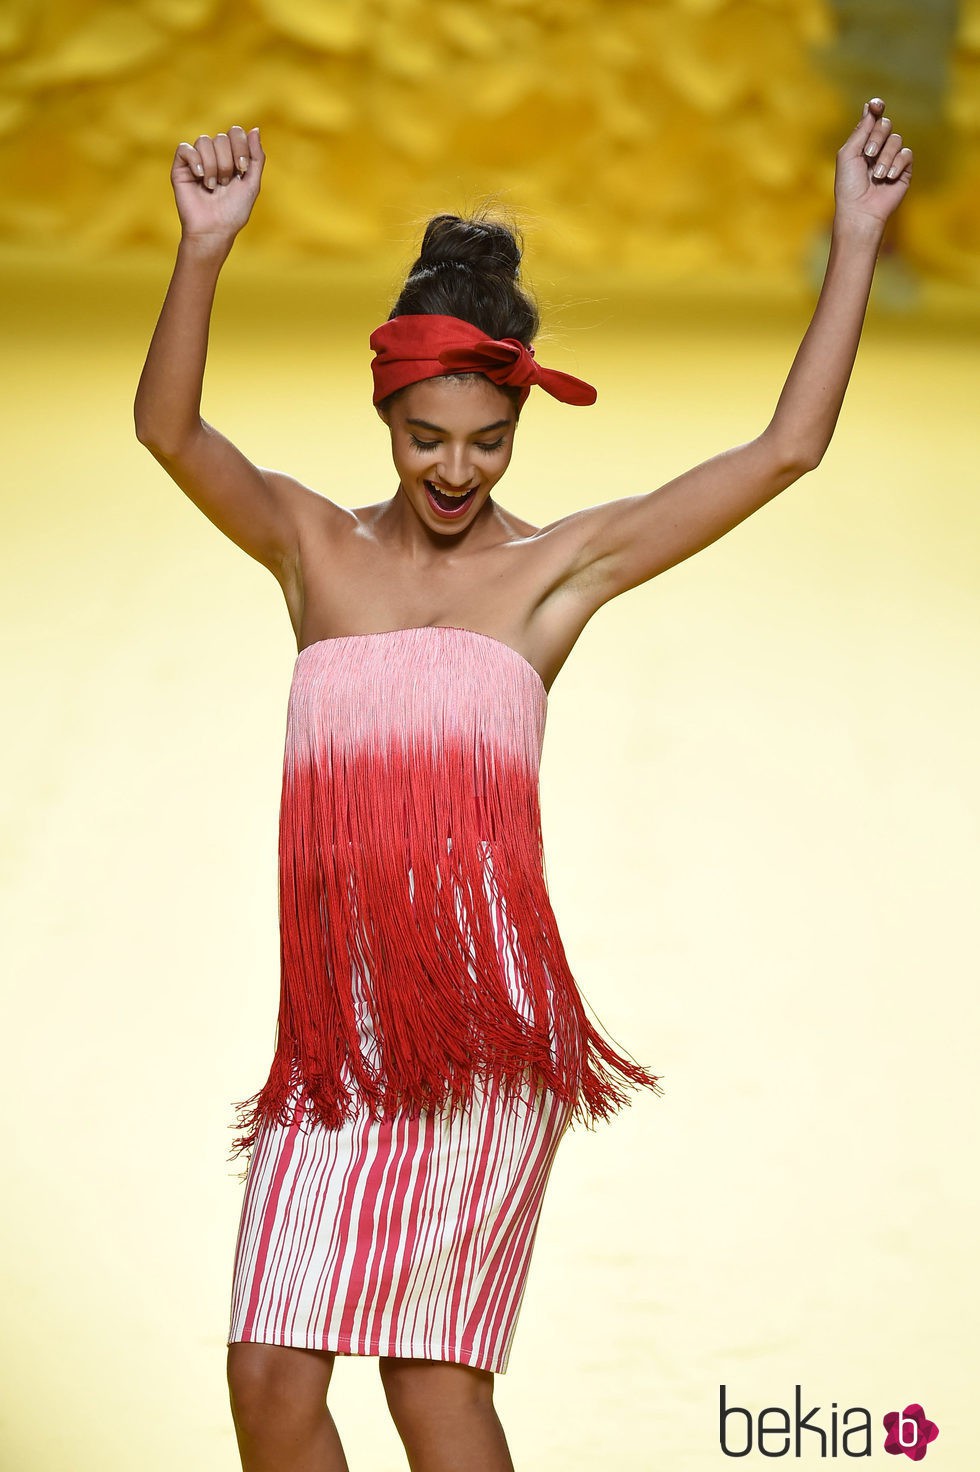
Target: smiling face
x: 451, y: 441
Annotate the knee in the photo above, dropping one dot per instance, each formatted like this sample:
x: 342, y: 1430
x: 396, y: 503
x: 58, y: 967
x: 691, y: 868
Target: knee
x: 266, y: 1391
x: 416, y: 1389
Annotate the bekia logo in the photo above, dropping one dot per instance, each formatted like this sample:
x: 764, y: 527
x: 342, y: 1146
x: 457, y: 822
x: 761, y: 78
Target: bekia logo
x: 910, y: 1432
x: 777, y: 1432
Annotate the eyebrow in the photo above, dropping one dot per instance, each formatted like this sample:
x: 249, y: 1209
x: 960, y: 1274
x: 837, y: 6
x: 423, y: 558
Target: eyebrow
x: 425, y: 424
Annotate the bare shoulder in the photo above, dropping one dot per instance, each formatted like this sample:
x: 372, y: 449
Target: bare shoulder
x: 558, y: 550
x: 552, y: 596
x: 320, y: 526
x: 313, y: 513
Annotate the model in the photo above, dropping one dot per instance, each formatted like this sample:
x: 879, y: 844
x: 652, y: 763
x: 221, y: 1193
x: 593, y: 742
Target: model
x: 432, y: 1044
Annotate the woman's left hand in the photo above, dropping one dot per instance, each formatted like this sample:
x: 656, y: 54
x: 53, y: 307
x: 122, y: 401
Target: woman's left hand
x: 871, y: 185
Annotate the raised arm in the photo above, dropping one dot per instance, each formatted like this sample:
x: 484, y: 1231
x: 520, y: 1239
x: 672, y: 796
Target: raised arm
x: 615, y: 546
x: 215, y: 182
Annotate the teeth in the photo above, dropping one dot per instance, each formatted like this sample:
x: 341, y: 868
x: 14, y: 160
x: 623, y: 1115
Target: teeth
x: 456, y: 495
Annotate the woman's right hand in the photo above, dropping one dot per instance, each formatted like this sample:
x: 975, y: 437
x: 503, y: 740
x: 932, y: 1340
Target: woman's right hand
x: 216, y: 181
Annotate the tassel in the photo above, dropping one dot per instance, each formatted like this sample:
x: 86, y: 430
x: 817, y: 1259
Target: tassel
x: 419, y: 950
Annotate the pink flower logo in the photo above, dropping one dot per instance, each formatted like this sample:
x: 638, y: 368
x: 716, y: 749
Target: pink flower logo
x: 909, y: 1431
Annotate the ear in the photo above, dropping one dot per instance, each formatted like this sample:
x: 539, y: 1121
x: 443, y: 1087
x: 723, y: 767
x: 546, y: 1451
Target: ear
x: 382, y: 415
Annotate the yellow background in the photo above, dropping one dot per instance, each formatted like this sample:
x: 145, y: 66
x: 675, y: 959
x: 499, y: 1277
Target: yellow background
x: 760, y: 803
x: 657, y: 138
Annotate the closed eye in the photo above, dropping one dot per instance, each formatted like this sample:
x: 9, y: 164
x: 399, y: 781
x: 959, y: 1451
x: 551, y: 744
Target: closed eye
x: 418, y: 444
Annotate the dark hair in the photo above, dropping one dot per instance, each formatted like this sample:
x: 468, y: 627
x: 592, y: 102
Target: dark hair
x: 469, y: 267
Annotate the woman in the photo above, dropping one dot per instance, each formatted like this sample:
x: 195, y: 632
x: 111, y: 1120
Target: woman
x: 432, y: 1044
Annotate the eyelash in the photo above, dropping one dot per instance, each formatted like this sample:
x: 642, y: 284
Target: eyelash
x: 422, y: 445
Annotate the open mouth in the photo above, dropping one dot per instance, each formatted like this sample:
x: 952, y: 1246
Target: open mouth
x: 445, y: 503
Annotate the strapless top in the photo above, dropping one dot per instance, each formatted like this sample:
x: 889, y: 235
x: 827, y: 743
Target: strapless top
x: 419, y: 948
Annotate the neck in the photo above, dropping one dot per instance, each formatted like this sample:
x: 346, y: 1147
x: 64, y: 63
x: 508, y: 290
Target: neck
x: 401, y: 526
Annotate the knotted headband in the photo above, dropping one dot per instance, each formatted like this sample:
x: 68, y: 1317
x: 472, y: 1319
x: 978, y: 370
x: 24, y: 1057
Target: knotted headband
x: 426, y: 345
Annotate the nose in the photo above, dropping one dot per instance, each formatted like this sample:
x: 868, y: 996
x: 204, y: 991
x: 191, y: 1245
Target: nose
x: 455, y: 468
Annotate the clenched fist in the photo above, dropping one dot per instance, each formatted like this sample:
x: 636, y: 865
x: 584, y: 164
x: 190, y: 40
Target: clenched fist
x: 216, y: 181
x: 874, y: 168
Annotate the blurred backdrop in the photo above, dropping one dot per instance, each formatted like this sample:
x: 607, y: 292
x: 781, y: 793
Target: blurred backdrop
x: 662, y: 137
x: 667, y: 137
x: 759, y: 784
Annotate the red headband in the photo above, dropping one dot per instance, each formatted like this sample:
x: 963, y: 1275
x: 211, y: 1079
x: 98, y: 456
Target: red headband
x: 411, y: 348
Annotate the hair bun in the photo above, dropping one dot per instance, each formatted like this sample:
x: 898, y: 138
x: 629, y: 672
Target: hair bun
x: 481, y: 244
x: 470, y: 268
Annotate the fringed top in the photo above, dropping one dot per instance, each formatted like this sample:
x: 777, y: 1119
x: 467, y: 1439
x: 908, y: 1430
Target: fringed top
x: 419, y: 949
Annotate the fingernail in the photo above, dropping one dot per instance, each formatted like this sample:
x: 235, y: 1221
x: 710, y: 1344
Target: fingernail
x: 865, y: 113
x: 199, y: 168
x: 243, y: 163
x: 871, y: 150
x: 893, y: 171
x: 211, y: 183
x: 879, y: 172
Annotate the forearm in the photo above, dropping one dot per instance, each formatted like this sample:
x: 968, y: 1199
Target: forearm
x: 810, y: 403
x: 167, y: 406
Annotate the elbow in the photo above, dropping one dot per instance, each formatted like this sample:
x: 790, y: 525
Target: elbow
x: 161, y: 446
x: 812, y: 454
x: 806, y: 462
x: 158, y: 448
x: 794, y: 460
x: 142, y: 430
x: 791, y: 455
x: 791, y: 468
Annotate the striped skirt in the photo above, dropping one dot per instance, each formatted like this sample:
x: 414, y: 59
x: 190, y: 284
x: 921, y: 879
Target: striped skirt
x: 408, y: 1237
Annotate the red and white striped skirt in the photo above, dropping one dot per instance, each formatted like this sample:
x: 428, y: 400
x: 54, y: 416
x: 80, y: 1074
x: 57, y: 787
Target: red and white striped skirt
x: 408, y: 1237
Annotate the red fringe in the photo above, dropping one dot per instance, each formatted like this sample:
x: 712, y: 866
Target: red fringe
x: 417, y: 861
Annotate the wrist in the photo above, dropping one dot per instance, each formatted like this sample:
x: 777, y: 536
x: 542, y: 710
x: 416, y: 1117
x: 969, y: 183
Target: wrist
x: 211, y: 248
x: 857, y: 229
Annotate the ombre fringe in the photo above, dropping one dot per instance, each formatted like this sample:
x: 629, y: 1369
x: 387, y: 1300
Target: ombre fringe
x: 411, y: 862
